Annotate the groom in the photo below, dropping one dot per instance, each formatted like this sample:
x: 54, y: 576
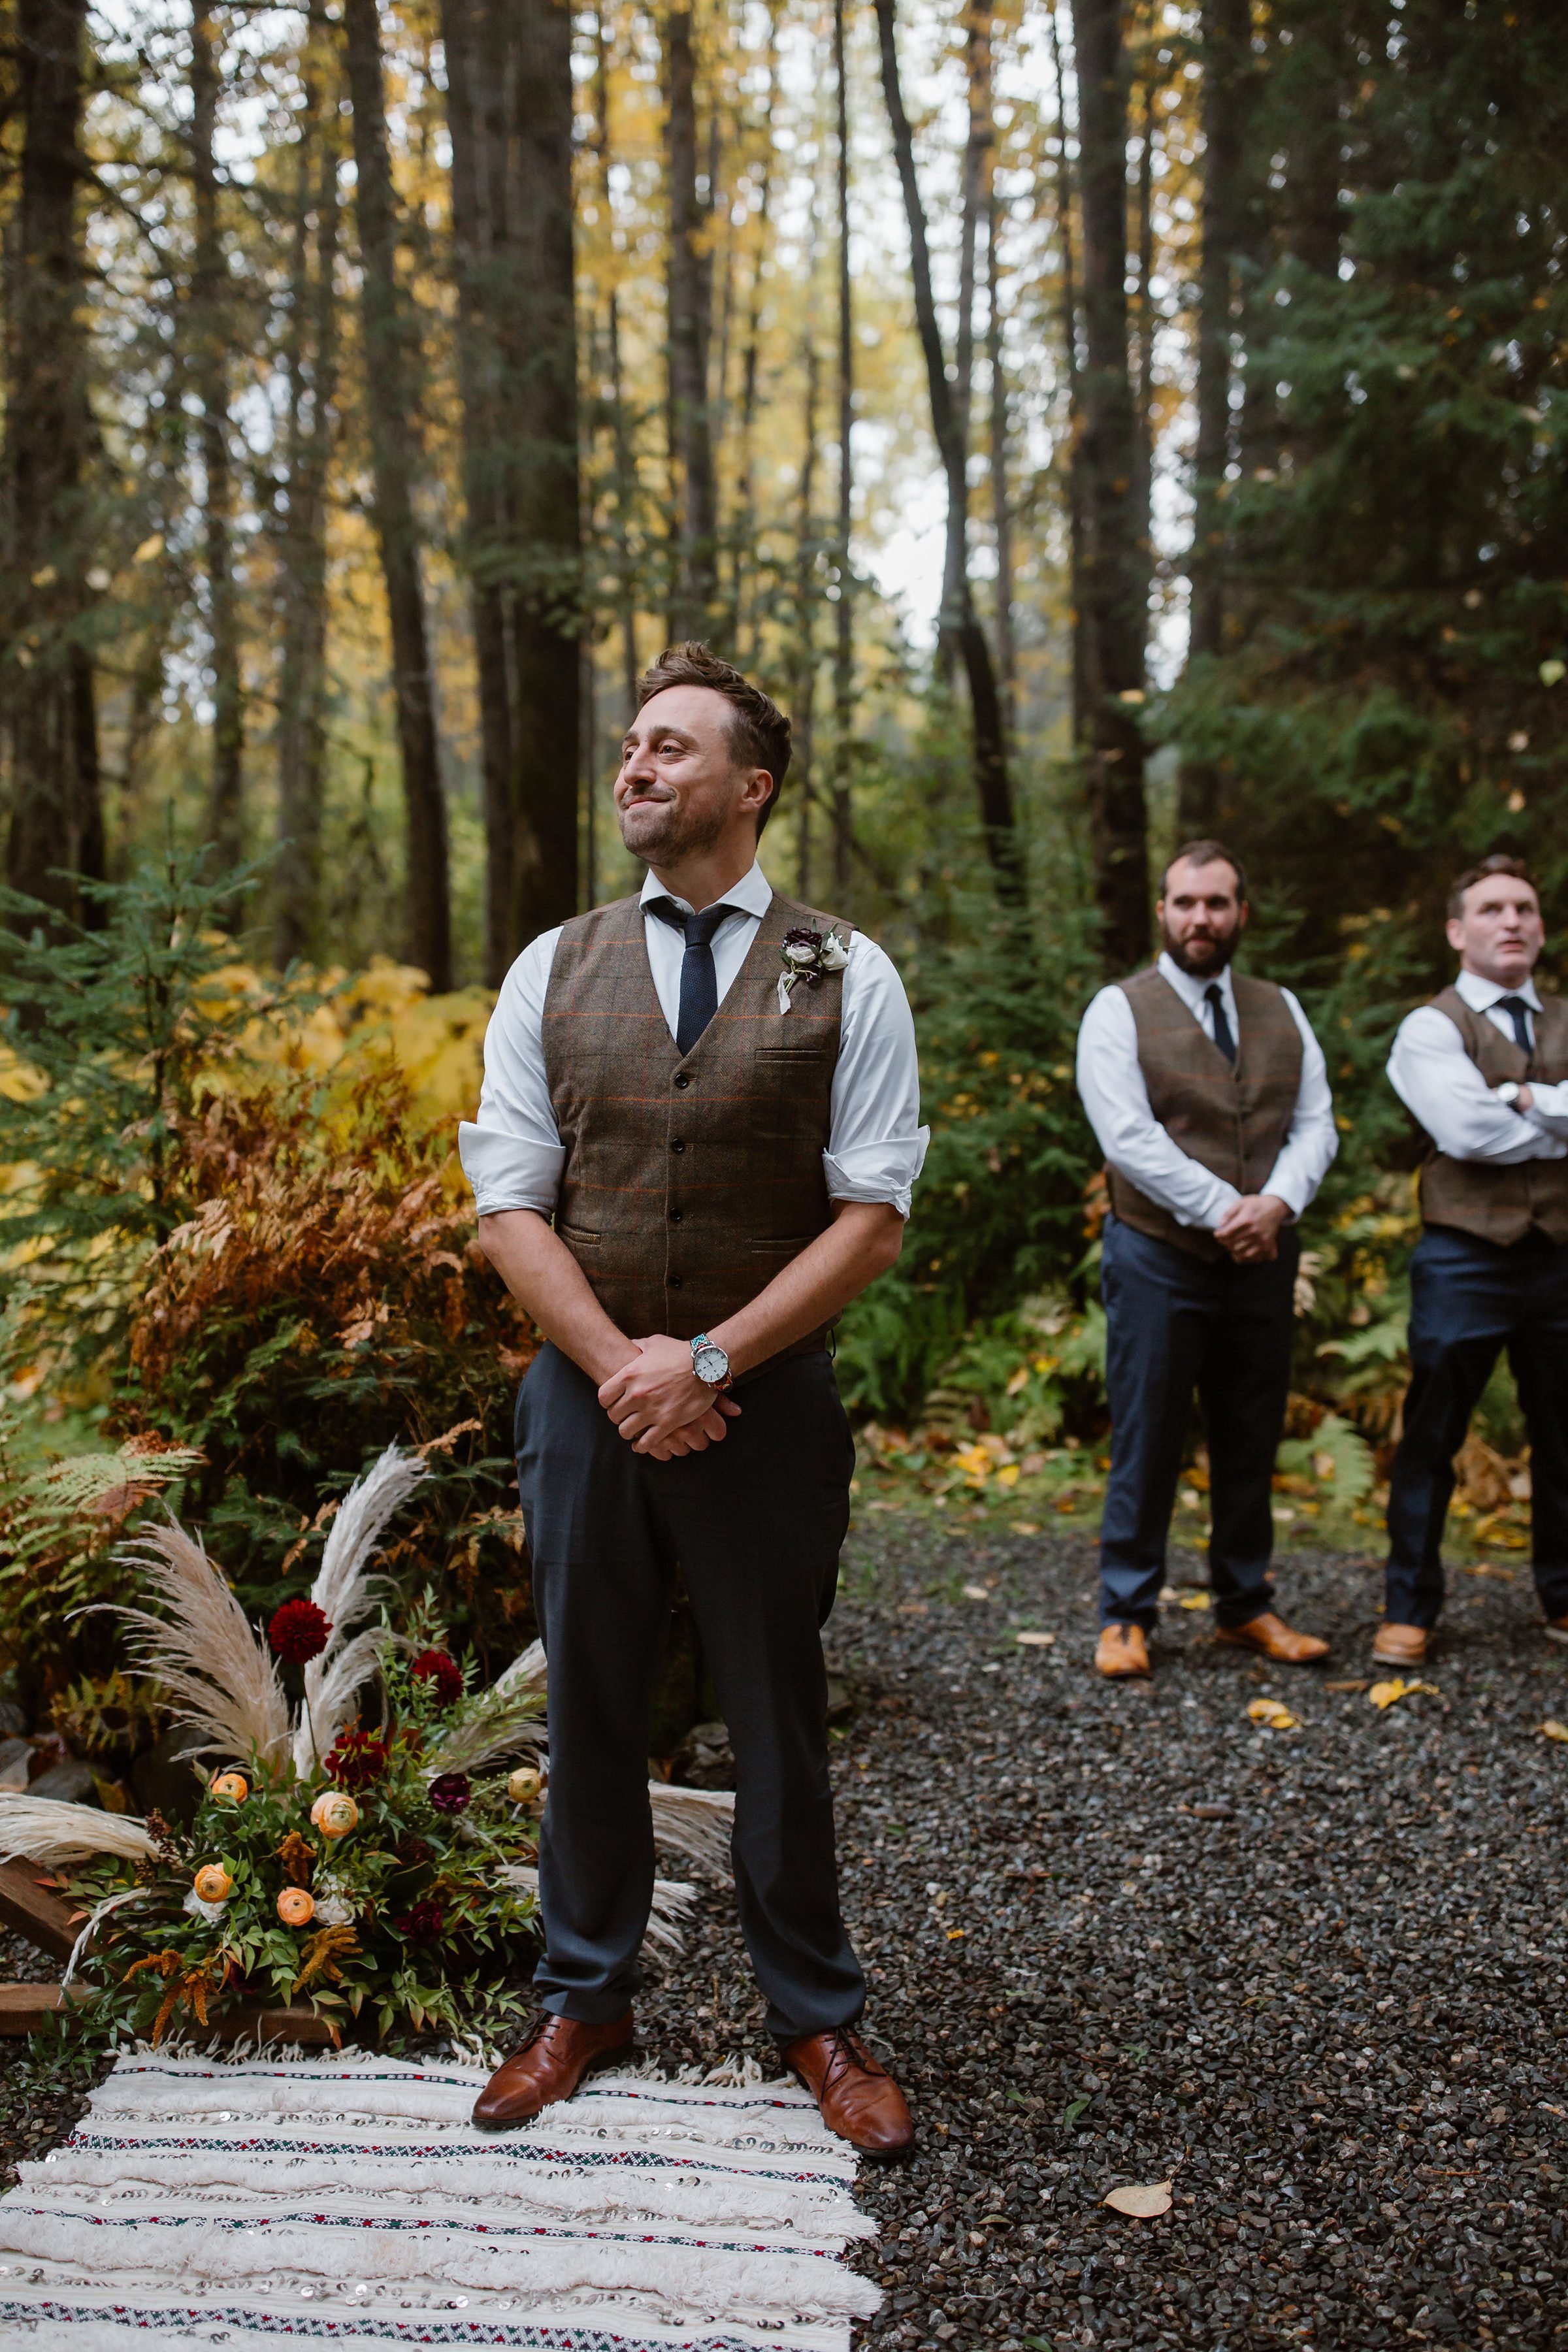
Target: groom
x: 695, y: 1146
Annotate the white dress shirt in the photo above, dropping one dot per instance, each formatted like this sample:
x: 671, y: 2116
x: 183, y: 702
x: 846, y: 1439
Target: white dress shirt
x: 512, y: 1153
x: 1438, y: 1084
x: 1110, y: 1081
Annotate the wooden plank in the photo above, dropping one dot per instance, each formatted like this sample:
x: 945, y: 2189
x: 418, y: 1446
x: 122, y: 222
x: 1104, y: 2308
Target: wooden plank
x: 24, y: 2007
x: 31, y: 1907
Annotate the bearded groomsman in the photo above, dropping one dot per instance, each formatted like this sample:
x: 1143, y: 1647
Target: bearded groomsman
x: 1207, y: 1091
x: 696, y: 1144
x: 1484, y: 1068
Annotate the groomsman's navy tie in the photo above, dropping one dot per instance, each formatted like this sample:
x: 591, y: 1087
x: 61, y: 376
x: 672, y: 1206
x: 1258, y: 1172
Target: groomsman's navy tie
x: 1222, y: 1035
x: 1519, y: 1013
x: 699, y: 979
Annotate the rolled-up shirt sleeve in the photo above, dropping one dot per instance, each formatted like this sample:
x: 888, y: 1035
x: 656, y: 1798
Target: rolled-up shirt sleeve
x: 876, y: 1144
x: 512, y: 1154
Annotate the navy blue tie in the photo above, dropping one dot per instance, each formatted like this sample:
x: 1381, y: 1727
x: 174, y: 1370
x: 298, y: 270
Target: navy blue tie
x: 1214, y: 998
x: 1519, y: 1013
x: 699, y: 979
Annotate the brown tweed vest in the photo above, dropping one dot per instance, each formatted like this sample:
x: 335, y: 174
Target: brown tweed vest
x: 1233, y: 1120
x: 1502, y: 1204
x: 689, y: 1182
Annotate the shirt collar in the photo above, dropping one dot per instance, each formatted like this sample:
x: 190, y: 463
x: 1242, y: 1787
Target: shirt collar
x: 1481, y: 995
x: 1190, y: 986
x: 752, y: 895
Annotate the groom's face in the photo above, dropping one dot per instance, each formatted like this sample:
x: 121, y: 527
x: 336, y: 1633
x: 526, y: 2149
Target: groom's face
x: 1201, y: 915
x: 680, y: 791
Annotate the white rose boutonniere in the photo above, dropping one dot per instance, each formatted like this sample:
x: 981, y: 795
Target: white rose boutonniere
x: 807, y: 956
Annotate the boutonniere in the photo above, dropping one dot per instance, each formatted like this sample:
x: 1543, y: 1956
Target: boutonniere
x: 807, y: 956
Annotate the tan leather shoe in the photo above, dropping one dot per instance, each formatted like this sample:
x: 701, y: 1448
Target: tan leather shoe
x: 1556, y: 1629
x: 1270, y: 1637
x: 859, y: 2100
x: 1399, y: 1646
x: 552, y: 2061
x: 1122, y: 1650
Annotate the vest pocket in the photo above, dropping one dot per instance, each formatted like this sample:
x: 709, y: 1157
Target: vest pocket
x: 576, y: 1237
x: 791, y: 1243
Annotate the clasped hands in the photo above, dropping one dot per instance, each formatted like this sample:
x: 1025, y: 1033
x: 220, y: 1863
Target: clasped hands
x: 660, y: 1405
x: 1249, y: 1228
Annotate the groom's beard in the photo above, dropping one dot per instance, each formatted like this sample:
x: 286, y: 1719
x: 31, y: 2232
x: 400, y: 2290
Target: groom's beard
x: 661, y: 833
x: 1202, y: 959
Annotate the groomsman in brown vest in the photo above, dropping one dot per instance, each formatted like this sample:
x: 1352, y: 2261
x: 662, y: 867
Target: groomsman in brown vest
x: 1484, y: 1069
x: 1207, y: 1091
x: 695, y: 1146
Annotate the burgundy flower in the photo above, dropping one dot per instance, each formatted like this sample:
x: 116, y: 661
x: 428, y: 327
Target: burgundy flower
x: 356, y: 1758
x: 299, y: 1632
x: 450, y: 1792
x: 425, y: 1924
x: 435, y: 1666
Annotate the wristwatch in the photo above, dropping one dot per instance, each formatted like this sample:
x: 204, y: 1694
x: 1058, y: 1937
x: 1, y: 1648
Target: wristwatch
x: 710, y: 1362
x: 1508, y: 1093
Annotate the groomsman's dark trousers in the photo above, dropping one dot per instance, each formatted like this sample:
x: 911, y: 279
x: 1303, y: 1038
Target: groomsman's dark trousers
x: 1469, y: 1299
x: 756, y: 1524
x: 1177, y: 1324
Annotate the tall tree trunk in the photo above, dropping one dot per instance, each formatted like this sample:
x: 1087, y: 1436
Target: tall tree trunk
x: 1070, y: 328
x: 804, y: 690
x: 1000, y: 495
x: 691, y: 450
x: 1226, y: 58
x: 391, y: 412
x: 1145, y: 391
x: 992, y: 783
x: 57, y: 820
x: 1116, y: 583
x: 743, y: 619
x: 547, y: 637
x: 313, y: 371
x: 844, y: 612
x: 976, y: 179
x: 210, y: 335
x: 624, y: 453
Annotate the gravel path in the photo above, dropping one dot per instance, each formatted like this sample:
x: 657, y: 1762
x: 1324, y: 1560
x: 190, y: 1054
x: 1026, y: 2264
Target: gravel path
x: 1122, y: 1933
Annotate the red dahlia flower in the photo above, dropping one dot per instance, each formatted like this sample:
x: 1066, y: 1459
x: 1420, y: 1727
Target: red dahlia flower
x: 436, y: 1666
x: 450, y: 1792
x: 425, y: 1924
x: 356, y: 1758
x: 299, y: 1632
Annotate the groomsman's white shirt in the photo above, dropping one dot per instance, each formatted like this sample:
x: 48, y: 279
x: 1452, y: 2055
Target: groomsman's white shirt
x: 1439, y: 1085
x: 1110, y: 1081
x: 512, y: 1153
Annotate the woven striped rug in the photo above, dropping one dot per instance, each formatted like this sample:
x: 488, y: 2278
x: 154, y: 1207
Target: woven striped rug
x: 348, y: 2200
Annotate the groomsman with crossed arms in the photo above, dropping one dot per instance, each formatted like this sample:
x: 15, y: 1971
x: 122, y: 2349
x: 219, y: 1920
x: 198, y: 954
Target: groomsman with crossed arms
x: 1484, y: 1069
x: 1207, y: 1091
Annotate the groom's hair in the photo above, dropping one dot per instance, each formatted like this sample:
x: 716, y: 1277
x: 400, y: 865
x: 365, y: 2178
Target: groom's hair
x: 759, y: 730
x: 1497, y: 863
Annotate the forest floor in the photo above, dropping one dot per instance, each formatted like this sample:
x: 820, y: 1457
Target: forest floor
x: 1125, y: 1934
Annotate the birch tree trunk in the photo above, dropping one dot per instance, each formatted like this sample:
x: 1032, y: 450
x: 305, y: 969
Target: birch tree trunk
x: 992, y: 783
x: 391, y: 413
x: 210, y: 333
x: 57, y: 819
x: 311, y: 360
x: 1115, y: 580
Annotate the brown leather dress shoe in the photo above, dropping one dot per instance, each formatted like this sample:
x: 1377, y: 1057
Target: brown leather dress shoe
x: 1270, y: 1637
x: 552, y: 2061
x: 1399, y: 1646
x: 859, y: 2100
x: 1556, y: 1629
x: 1122, y: 1650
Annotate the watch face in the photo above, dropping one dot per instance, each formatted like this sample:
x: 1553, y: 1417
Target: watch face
x: 710, y: 1363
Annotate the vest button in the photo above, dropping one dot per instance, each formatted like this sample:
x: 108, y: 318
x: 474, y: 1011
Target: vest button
x: 675, y: 1144
x: 676, y: 1215
x: 682, y: 1079
x: 674, y: 1282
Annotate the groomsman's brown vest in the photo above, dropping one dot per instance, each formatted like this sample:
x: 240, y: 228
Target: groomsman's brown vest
x: 1232, y: 1119
x: 1502, y: 1204
x: 690, y: 1180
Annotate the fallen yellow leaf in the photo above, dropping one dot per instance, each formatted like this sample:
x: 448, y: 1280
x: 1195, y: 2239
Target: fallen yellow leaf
x: 1554, y: 1730
x: 974, y: 1460
x: 1274, y: 1714
x: 1035, y: 1640
x: 976, y: 1593
x: 1025, y: 1527
x: 1197, y: 1600
x: 1144, y: 2203
x: 1384, y: 1694
x: 1008, y: 1475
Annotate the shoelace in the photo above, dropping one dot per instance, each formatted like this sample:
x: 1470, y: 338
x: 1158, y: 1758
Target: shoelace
x: 846, y: 2053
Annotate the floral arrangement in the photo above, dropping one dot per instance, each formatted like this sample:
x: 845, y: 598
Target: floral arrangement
x: 807, y: 955
x: 372, y: 1850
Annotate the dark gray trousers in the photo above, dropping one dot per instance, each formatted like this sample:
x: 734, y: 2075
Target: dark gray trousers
x: 756, y: 1524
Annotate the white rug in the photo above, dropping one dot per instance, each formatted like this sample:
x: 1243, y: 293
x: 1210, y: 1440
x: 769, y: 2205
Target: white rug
x: 348, y: 2200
